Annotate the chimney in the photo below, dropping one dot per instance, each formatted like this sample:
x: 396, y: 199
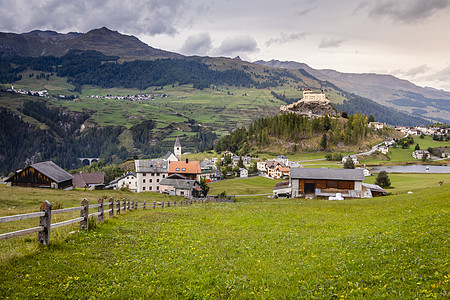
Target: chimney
x: 187, y: 161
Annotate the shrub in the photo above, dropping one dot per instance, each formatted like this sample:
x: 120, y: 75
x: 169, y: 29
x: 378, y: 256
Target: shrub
x: 383, y: 179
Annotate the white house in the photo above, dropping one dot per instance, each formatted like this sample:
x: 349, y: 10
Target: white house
x: 127, y: 181
x: 243, y: 172
x: 149, y: 173
x: 419, y: 154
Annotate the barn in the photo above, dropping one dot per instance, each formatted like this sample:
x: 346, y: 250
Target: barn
x: 44, y: 175
x: 326, y: 182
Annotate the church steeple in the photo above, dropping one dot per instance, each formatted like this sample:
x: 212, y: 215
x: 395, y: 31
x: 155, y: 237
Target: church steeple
x: 177, y: 149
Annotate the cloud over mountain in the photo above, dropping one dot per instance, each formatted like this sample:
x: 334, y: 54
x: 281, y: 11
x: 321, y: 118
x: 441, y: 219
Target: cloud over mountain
x: 199, y: 44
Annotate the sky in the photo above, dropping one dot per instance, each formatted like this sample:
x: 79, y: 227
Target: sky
x: 409, y: 39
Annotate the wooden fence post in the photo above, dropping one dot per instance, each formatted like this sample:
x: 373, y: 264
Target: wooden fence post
x: 128, y: 204
x: 154, y: 204
x: 84, y: 213
x: 111, y: 207
x: 46, y: 221
x: 132, y: 204
x: 124, y: 205
x: 101, y: 210
x: 118, y: 206
x: 162, y: 205
x: 135, y: 205
x: 175, y: 203
x: 168, y: 203
x: 144, y: 204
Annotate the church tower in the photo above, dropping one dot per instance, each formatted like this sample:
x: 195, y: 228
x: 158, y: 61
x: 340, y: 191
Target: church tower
x: 177, y: 149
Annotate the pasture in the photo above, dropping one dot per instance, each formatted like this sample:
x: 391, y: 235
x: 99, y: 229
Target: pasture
x: 389, y: 247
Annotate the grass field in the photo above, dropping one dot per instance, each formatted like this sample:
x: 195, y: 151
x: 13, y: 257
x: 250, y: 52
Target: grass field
x: 395, y: 247
x: 243, y: 186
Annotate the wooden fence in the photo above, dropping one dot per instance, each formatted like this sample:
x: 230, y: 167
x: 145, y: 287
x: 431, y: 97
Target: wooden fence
x: 114, y: 207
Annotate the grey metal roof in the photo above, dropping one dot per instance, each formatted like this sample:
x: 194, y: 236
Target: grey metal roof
x: 179, y: 183
x: 331, y: 174
x: 52, y: 171
x: 374, y: 187
x: 149, y: 166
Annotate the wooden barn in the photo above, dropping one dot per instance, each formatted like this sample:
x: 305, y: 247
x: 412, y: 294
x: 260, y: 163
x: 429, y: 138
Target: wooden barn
x: 44, y: 175
x: 326, y: 182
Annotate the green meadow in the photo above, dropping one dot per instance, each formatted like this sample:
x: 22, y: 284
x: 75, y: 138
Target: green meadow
x: 382, y: 248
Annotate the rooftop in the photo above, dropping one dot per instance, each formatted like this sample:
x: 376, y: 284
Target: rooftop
x: 331, y: 174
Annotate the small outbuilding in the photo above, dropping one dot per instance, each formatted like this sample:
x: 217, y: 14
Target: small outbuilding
x: 179, y: 185
x: 44, y: 175
x: 326, y: 182
x: 94, y: 180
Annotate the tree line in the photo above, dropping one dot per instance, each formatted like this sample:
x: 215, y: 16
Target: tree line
x: 293, y: 129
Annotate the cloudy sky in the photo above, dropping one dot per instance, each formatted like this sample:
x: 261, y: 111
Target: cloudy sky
x: 406, y: 38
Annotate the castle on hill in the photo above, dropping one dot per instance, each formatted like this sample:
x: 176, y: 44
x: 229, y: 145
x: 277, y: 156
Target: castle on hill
x: 311, y: 105
x: 308, y: 97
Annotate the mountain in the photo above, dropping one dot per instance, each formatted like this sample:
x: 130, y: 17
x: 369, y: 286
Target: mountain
x: 46, y: 43
x: 386, y: 90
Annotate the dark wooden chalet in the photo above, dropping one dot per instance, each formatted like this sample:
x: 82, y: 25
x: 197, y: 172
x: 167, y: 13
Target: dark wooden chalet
x: 44, y: 174
x: 326, y: 182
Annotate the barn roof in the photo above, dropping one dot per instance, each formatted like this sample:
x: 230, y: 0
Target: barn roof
x: 330, y: 174
x: 52, y: 171
x: 154, y: 165
x: 85, y: 179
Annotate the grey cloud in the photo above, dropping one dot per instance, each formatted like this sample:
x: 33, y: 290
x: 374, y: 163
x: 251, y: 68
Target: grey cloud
x: 286, y: 38
x: 237, y: 45
x: 407, y: 11
x: 419, y: 70
x: 199, y: 44
x: 330, y: 43
x: 442, y: 75
x: 305, y: 11
x: 136, y: 17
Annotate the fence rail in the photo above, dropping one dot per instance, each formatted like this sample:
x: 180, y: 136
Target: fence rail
x: 114, y: 207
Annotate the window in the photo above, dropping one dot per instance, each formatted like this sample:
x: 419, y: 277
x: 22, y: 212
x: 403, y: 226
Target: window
x: 184, y: 169
x: 182, y: 193
x: 143, y: 188
x: 153, y: 174
x: 151, y: 180
x: 150, y: 188
x: 157, y: 180
x: 177, y: 169
x: 144, y: 174
x: 164, y: 176
x: 143, y: 180
x: 157, y: 187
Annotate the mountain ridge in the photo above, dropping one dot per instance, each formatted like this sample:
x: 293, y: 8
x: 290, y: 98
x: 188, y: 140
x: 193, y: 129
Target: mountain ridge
x: 384, y: 89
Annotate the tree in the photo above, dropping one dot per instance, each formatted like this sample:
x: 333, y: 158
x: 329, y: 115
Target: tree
x: 349, y: 164
x: 323, y: 142
x: 371, y: 119
x: 344, y: 115
x: 417, y: 147
x: 383, y: 179
x: 204, y: 186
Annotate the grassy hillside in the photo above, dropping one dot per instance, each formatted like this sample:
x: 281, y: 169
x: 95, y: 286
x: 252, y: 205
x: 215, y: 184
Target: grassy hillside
x: 383, y: 248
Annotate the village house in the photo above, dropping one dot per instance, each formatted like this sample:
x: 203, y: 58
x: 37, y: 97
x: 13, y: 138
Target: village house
x: 128, y: 181
x: 179, y: 185
x: 352, y: 157
x: 261, y: 166
x: 271, y: 168
x: 95, y: 180
x: 282, y: 159
x: 376, y: 125
x: 43, y: 175
x: 189, y: 169
x: 247, y: 161
x: 281, y: 171
x: 243, y: 172
x: 209, y: 170
x: 308, y: 97
x: 326, y: 182
x: 383, y: 149
x: 419, y: 154
x: 149, y: 173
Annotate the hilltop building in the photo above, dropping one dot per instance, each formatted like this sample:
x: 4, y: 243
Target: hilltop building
x: 308, y: 97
